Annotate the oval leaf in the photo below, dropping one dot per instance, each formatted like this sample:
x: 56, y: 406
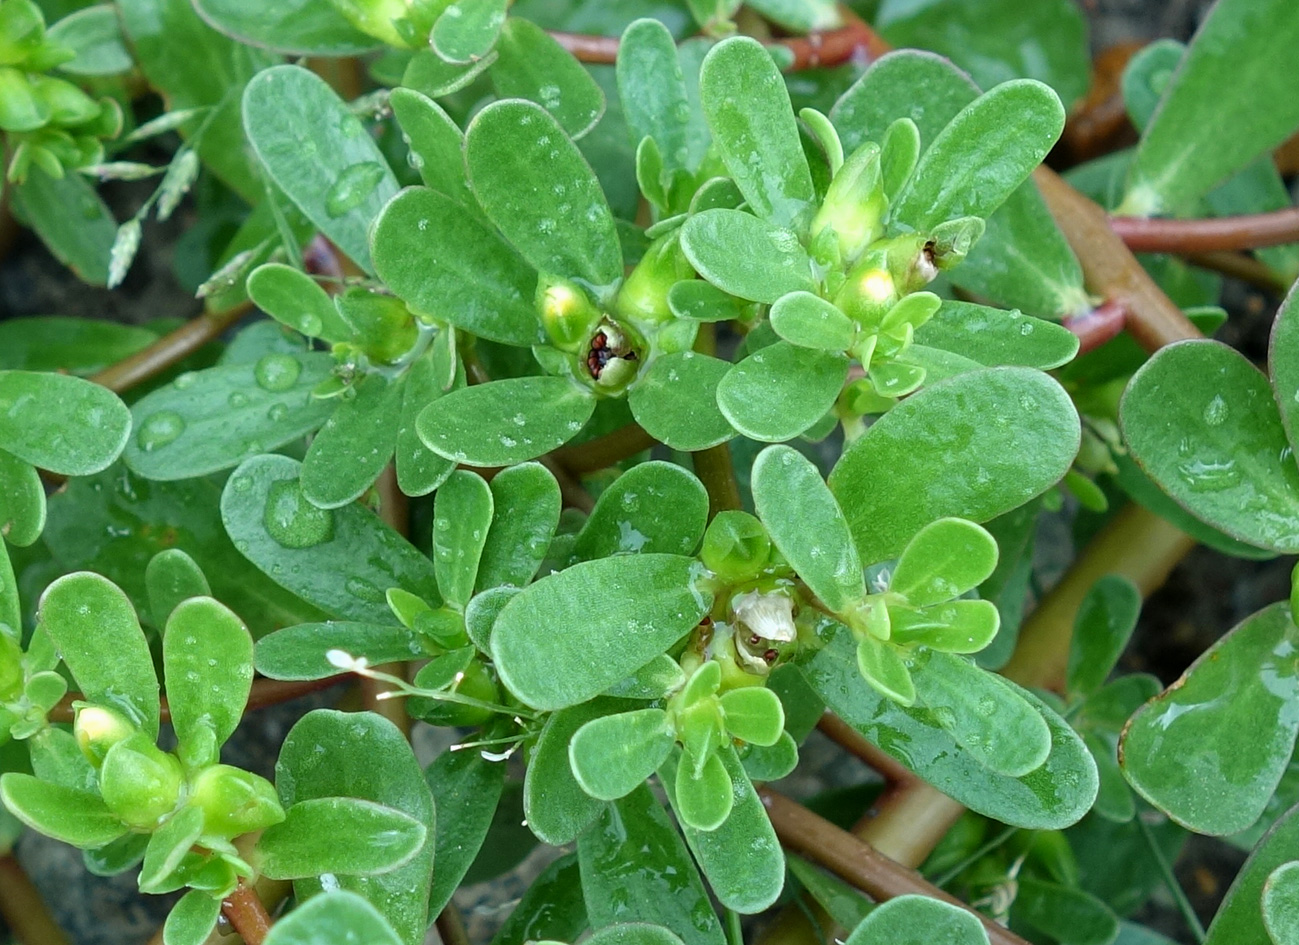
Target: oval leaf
x: 654, y: 507
x: 780, y: 391
x: 207, y: 658
x: 746, y: 256
x: 64, y: 424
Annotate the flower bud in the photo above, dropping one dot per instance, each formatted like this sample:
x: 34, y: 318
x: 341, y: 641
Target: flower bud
x: 736, y: 547
x: 613, y: 357
x: 234, y: 801
x: 98, y: 729
x: 139, y: 782
x: 385, y: 328
x: 952, y: 241
x: 567, y: 313
x: 855, y: 203
x: 644, y: 296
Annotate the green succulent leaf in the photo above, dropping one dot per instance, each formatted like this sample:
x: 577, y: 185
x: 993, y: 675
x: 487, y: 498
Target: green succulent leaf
x: 1283, y: 363
x: 945, y: 559
x: 505, y: 422
x: 469, y: 785
x: 170, y: 578
x: 1281, y: 903
x: 745, y: 256
x: 537, y: 188
x: 294, y: 27
x: 742, y: 858
x: 675, y: 400
x: 671, y: 895
x: 436, y: 144
x: 986, y: 715
x: 22, y: 501
x: 552, y: 909
x: 654, y: 507
x: 614, y: 754
x: 883, y: 667
x: 1201, y: 422
x: 94, y: 628
x: 444, y: 262
x: 533, y: 66
x: 341, y: 560
x: 748, y: 109
x: 319, y: 154
x: 298, y: 652
x: 340, y: 835
x: 1239, y: 918
x: 975, y: 164
x: 216, y: 418
x: 958, y: 626
x: 63, y: 424
x: 95, y: 35
x: 71, y: 219
x: 654, y: 94
x: 753, y: 714
x: 1183, y: 751
x: 1207, y: 126
x: 462, y: 515
x: 557, y: 807
x: 67, y: 344
x: 996, y: 337
x: 168, y: 847
x: 807, y: 525
x: 527, y: 505
x: 1060, y: 911
x: 67, y: 814
x: 466, y: 30
x: 419, y: 469
x: 349, y: 452
x: 326, y: 918
x: 207, y: 658
x: 981, y: 444
x: 809, y: 321
x: 1053, y: 796
x: 651, y: 598
x: 368, y: 759
x: 919, y: 920
x: 634, y: 933
x: 192, y: 919
x: 1106, y: 618
x: 293, y: 298
x: 780, y: 391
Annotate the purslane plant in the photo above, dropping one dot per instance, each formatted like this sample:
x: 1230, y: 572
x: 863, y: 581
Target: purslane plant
x: 494, y: 303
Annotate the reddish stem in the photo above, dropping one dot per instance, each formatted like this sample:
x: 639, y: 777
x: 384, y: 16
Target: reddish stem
x: 244, y: 909
x: 1250, y: 231
x: 265, y: 692
x: 1098, y: 326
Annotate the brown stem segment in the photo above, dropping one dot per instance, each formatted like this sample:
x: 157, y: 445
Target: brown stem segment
x: 265, y: 692
x: 1109, y: 268
x: 859, y: 863
x: 244, y: 910
x: 24, y: 911
x: 451, y: 927
x: 1249, y: 231
x: 1098, y: 326
x: 169, y: 349
x: 716, y: 471
x: 1242, y: 267
x: 604, y: 451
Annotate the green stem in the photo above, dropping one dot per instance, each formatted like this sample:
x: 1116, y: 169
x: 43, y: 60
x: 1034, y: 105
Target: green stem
x: 1170, y: 880
x: 733, y: 930
x: 715, y: 470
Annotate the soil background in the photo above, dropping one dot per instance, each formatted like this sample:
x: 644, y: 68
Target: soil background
x: 1206, y: 595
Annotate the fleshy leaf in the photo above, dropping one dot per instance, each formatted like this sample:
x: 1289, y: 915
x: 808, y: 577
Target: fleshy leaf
x: 216, y: 418
x: 293, y: 298
x: 299, y: 652
x: 809, y: 321
x: 469, y: 785
x: 654, y: 507
x: 462, y: 514
x: 93, y: 626
x: 919, y: 920
x: 1281, y: 904
x: 419, y: 469
x: 675, y: 400
x: 741, y: 859
x: 192, y: 919
x: 976, y: 162
x: 1105, y: 621
x: 780, y: 391
x: 995, y: 337
x: 444, y: 262
x: 650, y: 598
x: 22, y: 501
x: 534, y: 184
x: 355, y: 444
x: 614, y: 754
x: 319, y: 154
x: 672, y: 895
x: 557, y: 808
x: 945, y: 559
x: 808, y: 526
x: 436, y: 144
x: 527, y: 504
x: 207, y: 658
x: 467, y: 29
x: 342, y: 560
x: 533, y: 66
x: 749, y: 112
x: 746, y: 256
x: 1201, y: 422
x: 1183, y: 751
x: 338, y: 914
x: 73, y: 816
x: 64, y: 424
x: 957, y: 626
x: 295, y: 27
x: 981, y: 444
x: 1239, y: 919
x: 338, y: 835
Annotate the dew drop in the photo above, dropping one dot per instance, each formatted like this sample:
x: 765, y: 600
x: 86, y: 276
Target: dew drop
x: 237, y: 399
x: 352, y: 187
x: 1215, y: 411
x: 293, y: 521
x: 186, y: 380
x: 160, y: 429
x: 277, y: 372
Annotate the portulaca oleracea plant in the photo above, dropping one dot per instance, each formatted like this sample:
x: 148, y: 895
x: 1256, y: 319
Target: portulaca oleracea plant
x: 629, y: 406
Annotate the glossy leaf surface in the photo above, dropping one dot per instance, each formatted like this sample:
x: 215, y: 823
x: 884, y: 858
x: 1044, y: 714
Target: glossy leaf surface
x: 298, y: 27
x: 654, y: 507
x: 207, y: 658
x: 780, y: 391
x: 650, y: 597
x: 526, y: 500
x: 919, y: 920
x: 745, y: 255
x: 675, y: 400
x: 945, y: 559
x: 1184, y: 752
x: 981, y: 443
x: 613, y: 754
x: 64, y: 424
x: 349, y: 452
x: 1240, y: 918
x: 533, y: 66
x: 314, y: 838
x: 1104, y: 624
x: 298, y: 652
x: 469, y: 785
x: 326, y: 918
x: 995, y: 337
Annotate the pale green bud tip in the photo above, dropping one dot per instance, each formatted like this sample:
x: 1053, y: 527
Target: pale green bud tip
x: 98, y: 729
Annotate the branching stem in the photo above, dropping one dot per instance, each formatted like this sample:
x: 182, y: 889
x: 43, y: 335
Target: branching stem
x: 244, y: 910
x: 1249, y: 231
